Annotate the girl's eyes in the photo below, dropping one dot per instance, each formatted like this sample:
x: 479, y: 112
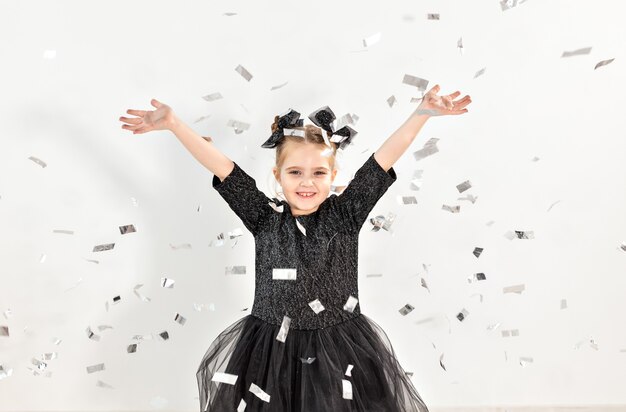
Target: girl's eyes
x: 295, y: 171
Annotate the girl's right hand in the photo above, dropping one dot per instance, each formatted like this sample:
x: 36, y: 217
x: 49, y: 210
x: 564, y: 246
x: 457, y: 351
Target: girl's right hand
x: 162, y: 118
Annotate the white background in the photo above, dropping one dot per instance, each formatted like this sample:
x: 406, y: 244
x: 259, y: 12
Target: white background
x: 541, y: 129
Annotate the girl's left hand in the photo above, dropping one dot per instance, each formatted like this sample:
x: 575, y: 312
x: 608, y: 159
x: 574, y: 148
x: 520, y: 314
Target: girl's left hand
x: 433, y: 105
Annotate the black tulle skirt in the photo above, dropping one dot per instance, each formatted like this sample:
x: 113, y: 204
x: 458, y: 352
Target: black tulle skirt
x: 294, y: 381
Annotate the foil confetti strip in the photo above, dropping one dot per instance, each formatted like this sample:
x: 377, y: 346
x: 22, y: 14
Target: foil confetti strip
x: 391, y: 100
x: 92, y: 335
x: 293, y: 132
x: 347, y: 389
x: 7, y: 313
x: 552, y: 205
x: 577, y: 52
x: 429, y: 148
x: 259, y: 393
x: 127, y: 229
x: 563, y: 304
x: 224, y: 378
x: 525, y: 234
x: 63, y: 231
x: 243, y: 72
x: 350, y: 304
x: 603, y: 63
x: 462, y: 315
x: 181, y: 246
x: 462, y: 187
x: 371, y: 40
x: 139, y: 295
x: 316, y: 305
x: 349, y: 370
x: 415, y: 81
x: 509, y: 4
x: 235, y: 270
x: 476, y: 277
x: 477, y: 251
x: 407, y: 200
x: 5, y: 372
x: 284, y: 273
x: 308, y: 361
x: 180, y: 319
x: 279, y: 86
x: 523, y: 360
x: 132, y: 348
x: 406, y: 309
x: 302, y: 228
x: 95, y: 368
x: 432, y: 16
x: 101, y: 248
x: 514, y: 289
x: 284, y: 329
x: 101, y: 384
x: 167, y: 283
x: 509, y: 332
x: 212, y: 97
x: 239, y: 127
x: 469, y: 197
x: 4, y: 330
x: 479, y: 73
x: 38, y: 161
x: 452, y: 209
x: 242, y: 406
x: 441, y: 363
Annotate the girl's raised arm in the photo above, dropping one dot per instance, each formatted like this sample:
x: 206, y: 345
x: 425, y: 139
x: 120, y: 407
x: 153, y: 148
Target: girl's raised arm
x: 164, y: 118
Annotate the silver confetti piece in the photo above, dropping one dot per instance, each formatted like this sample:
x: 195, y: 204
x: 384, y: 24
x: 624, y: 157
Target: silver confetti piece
x: 514, y: 289
x: 452, y: 209
x: 38, y: 161
x: 212, y: 97
x: 350, y: 304
x: 480, y: 295
x: 5, y: 372
x: 406, y: 309
x: 56, y: 341
x: 316, y: 305
x: 95, y: 368
x: 7, y: 313
x: 552, y: 205
x: 429, y: 148
x: 41, y: 365
x: 469, y: 197
x: 477, y: 251
x: 4, y: 331
x: 181, y: 246
x: 374, y: 275
x: 63, y: 231
x: 278, y: 209
x: 525, y: 234
x: 284, y: 329
x: 462, y: 315
x: 101, y: 384
x: 577, y: 52
x: 167, y: 283
x: 293, y: 132
x: 278, y: 87
x: 132, y: 348
x: 259, y: 392
x: 479, y: 72
x: 308, y: 361
x: 302, y: 228
x: 433, y: 16
x: 163, y: 335
x: 509, y: 4
x: 371, y: 40
x: 603, y: 63
x: 242, y: 406
x: 421, y: 84
x: 180, y: 319
x: 92, y: 335
x: 349, y: 370
x: 139, y: 295
x: 127, y: 229
x: 424, y: 285
x: 509, y: 332
x: 347, y: 389
x: 224, y: 378
x: 459, y: 44
x: 462, y: 187
x: 100, y: 248
x: 235, y: 270
x: 243, y: 72
x: 563, y: 304
x: 523, y: 360
x: 441, y: 363
x: 104, y: 327
x: 493, y: 326
x: 284, y: 273
x: 476, y: 277
x: 238, y: 126
x: 408, y: 200
x: 391, y: 100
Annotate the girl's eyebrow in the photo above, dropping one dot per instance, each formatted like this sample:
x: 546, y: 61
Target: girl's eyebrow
x: 298, y: 167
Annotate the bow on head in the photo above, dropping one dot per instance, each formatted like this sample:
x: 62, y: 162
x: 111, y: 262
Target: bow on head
x: 322, y: 117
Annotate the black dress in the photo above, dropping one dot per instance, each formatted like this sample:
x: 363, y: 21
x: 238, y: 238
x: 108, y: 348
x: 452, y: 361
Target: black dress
x: 305, y: 344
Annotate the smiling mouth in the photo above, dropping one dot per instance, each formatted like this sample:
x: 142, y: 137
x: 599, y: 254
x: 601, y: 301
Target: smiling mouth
x: 305, y: 195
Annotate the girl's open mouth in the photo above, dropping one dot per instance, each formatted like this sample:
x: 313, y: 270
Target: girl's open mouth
x: 305, y: 195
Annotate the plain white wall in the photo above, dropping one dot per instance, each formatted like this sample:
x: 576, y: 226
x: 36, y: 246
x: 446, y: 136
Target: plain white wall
x: 63, y: 108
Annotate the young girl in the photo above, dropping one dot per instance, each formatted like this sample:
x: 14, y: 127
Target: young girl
x: 306, y: 346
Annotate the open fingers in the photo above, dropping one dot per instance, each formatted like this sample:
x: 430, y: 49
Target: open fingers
x: 131, y: 120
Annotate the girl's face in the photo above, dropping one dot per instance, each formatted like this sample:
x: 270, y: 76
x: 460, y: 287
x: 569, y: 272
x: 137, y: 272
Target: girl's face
x: 305, y: 178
